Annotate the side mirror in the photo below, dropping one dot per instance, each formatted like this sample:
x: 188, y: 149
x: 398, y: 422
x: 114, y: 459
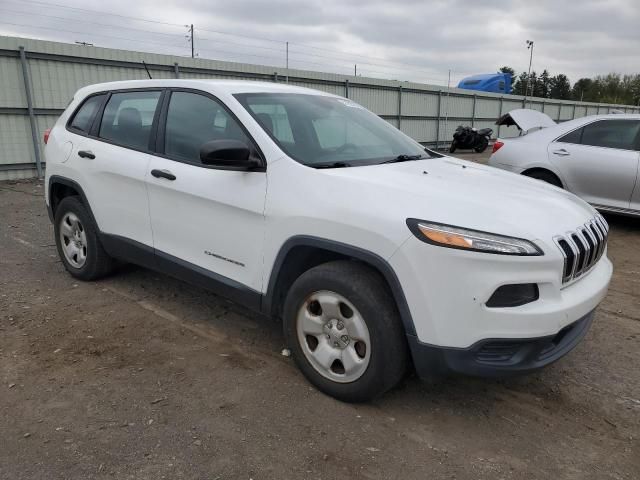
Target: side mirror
x: 233, y: 154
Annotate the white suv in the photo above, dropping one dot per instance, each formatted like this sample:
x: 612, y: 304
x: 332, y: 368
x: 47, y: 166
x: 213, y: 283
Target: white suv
x: 377, y: 253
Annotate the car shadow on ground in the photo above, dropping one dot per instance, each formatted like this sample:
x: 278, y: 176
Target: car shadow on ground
x: 623, y: 222
x: 264, y: 335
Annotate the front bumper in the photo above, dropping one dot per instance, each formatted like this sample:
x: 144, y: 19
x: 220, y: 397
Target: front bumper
x: 498, y: 357
x: 447, y: 291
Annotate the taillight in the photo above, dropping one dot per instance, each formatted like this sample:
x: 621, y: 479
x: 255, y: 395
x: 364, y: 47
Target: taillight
x: 47, y: 133
x: 497, y: 146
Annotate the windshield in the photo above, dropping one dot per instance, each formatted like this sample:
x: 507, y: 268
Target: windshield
x: 321, y: 131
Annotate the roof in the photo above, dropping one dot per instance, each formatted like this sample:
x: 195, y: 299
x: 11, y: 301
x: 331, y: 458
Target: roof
x: 214, y: 86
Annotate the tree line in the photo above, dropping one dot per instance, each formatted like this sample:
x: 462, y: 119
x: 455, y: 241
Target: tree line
x: 611, y: 88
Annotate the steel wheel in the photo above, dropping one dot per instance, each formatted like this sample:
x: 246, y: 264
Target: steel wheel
x: 73, y: 239
x: 333, y: 336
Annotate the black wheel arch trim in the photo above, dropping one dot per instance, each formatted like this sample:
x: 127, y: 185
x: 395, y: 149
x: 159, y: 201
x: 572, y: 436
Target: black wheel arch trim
x: 528, y: 171
x: 358, y: 253
x: 57, y: 179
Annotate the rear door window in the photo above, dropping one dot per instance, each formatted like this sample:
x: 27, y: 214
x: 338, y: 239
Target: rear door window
x: 620, y: 134
x: 128, y: 117
x: 83, y: 118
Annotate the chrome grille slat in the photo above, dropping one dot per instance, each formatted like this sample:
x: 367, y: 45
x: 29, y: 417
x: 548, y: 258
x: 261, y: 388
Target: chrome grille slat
x: 598, y: 233
x: 582, y: 248
x: 593, y: 244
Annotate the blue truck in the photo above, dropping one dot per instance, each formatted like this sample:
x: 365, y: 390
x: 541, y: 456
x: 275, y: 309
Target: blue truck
x: 487, y: 82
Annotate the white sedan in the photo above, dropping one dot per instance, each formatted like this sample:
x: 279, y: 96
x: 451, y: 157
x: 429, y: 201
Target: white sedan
x: 595, y: 157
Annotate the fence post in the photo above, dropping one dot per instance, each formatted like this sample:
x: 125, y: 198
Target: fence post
x: 473, y: 113
x: 400, y: 107
x: 438, y: 120
x: 559, y: 112
x: 573, y: 115
x: 346, y: 88
x: 176, y: 70
x: 32, y: 116
x: 275, y: 77
x: 544, y: 102
x: 500, y: 115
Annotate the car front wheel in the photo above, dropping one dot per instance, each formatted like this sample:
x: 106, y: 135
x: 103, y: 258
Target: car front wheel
x: 344, y: 331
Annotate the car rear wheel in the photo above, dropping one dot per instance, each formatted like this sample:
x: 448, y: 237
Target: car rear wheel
x: 78, y: 243
x: 343, y: 329
x: 545, y: 176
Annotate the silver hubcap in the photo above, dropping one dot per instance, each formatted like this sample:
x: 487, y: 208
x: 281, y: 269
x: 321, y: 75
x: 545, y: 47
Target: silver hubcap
x: 73, y: 239
x: 334, y: 337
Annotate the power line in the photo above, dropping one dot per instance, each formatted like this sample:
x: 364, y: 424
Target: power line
x: 390, y: 64
x: 89, y: 34
x: 282, y: 50
x: 360, y: 62
x: 97, y: 23
x: 240, y: 35
x: 49, y: 4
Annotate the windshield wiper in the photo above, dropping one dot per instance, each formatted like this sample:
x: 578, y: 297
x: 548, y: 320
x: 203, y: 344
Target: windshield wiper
x: 330, y: 165
x: 403, y: 158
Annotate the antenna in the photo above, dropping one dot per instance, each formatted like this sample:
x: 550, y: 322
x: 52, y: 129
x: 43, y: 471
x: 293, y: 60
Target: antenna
x: 145, y: 67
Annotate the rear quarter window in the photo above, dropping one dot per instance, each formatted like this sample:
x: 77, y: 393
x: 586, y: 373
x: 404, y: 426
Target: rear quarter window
x: 83, y: 117
x: 571, y: 137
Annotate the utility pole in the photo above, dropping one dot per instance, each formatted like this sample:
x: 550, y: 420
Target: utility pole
x: 526, y: 89
x: 446, y: 112
x: 191, y: 39
x: 355, y: 70
x: 287, y: 77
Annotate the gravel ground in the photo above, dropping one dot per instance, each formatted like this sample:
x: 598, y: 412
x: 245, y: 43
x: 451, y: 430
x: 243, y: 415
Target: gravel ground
x: 140, y: 376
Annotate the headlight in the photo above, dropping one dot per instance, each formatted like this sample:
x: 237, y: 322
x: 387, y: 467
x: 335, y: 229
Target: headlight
x: 467, y: 239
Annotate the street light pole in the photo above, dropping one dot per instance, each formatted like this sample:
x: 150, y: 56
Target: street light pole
x: 526, y: 90
x: 191, y: 37
x: 287, y: 61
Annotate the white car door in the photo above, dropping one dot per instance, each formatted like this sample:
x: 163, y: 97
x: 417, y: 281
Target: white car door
x: 599, y: 161
x: 206, y: 219
x: 115, y: 162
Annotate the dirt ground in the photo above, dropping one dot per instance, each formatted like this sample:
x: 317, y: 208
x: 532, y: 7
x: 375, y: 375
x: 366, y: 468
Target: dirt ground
x: 139, y: 376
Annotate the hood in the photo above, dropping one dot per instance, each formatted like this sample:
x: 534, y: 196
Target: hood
x: 456, y: 192
x: 526, y: 120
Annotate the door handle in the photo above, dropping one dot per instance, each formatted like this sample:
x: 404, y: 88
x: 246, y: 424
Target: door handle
x: 86, y: 154
x: 562, y: 152
x: 163, y: 174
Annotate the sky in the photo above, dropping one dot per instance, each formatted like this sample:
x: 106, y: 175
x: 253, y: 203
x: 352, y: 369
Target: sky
x: 402, y: 39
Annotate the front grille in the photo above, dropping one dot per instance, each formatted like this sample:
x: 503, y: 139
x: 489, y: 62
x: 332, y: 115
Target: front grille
x: 582, y: 248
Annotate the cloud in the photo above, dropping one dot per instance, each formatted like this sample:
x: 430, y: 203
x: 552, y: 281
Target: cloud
x: 401, y: 39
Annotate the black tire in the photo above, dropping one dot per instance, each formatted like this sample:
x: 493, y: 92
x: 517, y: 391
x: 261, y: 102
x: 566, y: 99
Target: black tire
x: 545, y: 176
x: 452, y: 148
x: 366, y: 290
x: 98, y: 263
x: 484, y: 143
